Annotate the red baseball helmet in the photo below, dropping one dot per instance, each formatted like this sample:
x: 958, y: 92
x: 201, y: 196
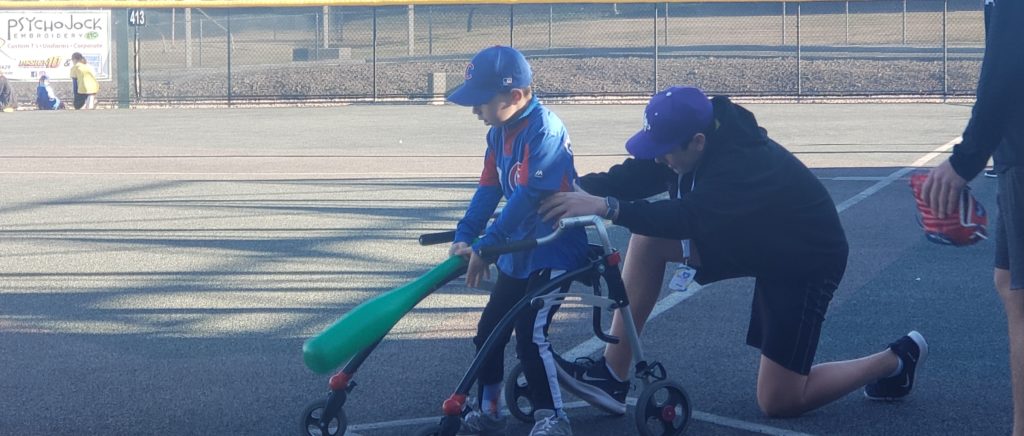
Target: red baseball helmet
x: 961, y: 229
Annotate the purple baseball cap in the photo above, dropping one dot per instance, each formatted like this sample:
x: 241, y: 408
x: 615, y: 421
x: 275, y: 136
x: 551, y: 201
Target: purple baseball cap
x: 671, y: 117
x: 493, y: 70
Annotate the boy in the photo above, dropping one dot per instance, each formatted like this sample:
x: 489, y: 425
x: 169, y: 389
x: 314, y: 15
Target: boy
x: 46, y: 99
x: 528, y: 158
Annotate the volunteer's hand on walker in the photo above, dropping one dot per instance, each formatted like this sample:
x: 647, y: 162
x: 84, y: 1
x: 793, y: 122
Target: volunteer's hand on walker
x: 478, y: 268
x: 571, y: 204
x: 942, y: 189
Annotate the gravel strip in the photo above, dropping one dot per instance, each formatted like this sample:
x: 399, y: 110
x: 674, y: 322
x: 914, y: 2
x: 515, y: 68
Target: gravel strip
x: 590, y: 76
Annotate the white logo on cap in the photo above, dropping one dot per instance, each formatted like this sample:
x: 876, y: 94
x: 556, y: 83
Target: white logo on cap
x: 507, y: 81
x: 647, y: 126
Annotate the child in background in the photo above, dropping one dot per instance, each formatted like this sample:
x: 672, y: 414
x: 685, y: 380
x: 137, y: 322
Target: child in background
x: 46, y: 99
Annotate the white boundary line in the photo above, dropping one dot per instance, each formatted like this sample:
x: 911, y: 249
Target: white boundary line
x: 895, y: 176
x: 697, y: 415
x: 592, y: 345
x: 744, y: 425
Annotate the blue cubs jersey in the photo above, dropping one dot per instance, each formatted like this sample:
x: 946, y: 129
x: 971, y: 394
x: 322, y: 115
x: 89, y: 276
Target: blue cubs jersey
x: 527, y: 159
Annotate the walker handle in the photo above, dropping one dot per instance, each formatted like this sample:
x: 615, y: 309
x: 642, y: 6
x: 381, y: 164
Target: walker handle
x: 599, y: 332
x: 437, y: 238
x: 497, y: 250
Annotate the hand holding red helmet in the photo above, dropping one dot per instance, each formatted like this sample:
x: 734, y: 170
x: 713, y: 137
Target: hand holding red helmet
x: 965, y: 226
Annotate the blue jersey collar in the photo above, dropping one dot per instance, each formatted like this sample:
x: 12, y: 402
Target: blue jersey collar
x: 533, y: 105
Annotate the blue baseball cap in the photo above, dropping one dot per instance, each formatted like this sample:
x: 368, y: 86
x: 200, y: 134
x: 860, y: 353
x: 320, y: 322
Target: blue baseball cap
x: 671, y: 118
x: 493, y: 70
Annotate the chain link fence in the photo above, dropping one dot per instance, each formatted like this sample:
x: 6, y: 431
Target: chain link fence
x: 859, y: 48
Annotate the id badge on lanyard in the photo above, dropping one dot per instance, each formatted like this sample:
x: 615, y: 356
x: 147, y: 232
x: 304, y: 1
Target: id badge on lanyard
x: 685, y: 273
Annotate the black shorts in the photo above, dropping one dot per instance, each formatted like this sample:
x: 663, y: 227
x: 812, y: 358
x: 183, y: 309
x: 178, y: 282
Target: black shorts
x: 80, y: 100
x: 786, y: 317
x: 1009, y: 231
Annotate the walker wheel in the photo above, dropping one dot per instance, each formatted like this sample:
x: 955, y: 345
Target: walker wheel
x: 663, y: 409
x: 517, y: 395
x: 310, y: 421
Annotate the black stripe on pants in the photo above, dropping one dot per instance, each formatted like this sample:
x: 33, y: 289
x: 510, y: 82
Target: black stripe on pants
x: 506, y: 293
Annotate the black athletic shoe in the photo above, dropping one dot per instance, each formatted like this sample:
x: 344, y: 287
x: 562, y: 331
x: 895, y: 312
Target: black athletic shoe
x: 592, y: 382
x: 911, y: 349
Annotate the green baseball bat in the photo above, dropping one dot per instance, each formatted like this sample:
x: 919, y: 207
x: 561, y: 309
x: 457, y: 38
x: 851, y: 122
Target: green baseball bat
x: 370, y: 321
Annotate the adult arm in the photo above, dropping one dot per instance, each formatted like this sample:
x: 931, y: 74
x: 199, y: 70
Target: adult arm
x: 631, y: 180
x: 999, y: 91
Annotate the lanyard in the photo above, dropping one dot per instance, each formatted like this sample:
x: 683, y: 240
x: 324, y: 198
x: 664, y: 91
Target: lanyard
x: 686, y: 242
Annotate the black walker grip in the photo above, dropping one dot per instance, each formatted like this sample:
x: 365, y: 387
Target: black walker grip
x: 497, y: 250
x: 437, y: 238
x: 599, y: 332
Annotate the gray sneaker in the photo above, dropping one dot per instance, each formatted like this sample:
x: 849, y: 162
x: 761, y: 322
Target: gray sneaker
x: 547, y: 424
x: 476, y: 422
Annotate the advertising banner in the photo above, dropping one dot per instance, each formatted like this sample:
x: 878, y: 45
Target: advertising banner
x: 37, y: 42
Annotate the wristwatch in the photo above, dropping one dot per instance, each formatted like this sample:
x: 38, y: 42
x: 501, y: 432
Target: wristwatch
x: 612, y: 204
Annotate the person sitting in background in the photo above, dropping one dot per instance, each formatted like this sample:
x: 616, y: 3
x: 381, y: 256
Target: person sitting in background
x: 6, y: 95
x: 46, y: 99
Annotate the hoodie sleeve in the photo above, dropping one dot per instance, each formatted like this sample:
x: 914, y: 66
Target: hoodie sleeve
x: 712, y: 206
x: 736, y: 185
x: 633, y: 179
x: 999, y: 90
x: 669, y: 219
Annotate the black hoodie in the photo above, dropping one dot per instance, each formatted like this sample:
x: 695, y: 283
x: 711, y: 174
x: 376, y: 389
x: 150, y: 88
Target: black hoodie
x: 755, y: 210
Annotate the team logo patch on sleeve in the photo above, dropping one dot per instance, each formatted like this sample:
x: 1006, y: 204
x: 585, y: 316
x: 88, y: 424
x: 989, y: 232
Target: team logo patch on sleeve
x: 514, y: 176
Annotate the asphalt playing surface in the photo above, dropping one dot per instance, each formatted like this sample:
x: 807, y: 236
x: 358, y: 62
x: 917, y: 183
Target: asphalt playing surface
x: 160, y: 269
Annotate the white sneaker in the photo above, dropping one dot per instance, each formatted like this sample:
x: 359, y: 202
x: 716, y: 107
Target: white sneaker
x: 478, y: 423
x: 549, y: 424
